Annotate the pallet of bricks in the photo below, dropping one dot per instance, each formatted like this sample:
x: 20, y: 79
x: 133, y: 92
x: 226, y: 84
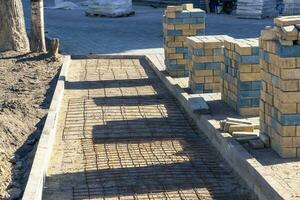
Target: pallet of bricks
x: 206, y: 57
x: 179, y: 23
x: 256, y: 9
x: 291, y: 7
x: 280, y: 95
x: 240, y: 76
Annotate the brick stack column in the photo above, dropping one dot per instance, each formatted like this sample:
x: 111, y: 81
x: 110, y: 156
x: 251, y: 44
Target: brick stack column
x: 206, y: 54
x: 240, y: 76
x: 179, y: 23
x: 280, y: 94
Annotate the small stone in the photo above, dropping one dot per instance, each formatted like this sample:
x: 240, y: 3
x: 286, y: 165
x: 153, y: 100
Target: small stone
x: 13, y: 160
x: 19, y: 165
x: 31, y: 142
x: 14, y: 184
x: 15, y: 193
x: 265, y: 139
x: 256, y: 144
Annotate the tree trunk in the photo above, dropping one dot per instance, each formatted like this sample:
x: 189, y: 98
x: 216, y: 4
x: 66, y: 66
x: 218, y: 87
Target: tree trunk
x: 12, y: 26
x: 37, y: 26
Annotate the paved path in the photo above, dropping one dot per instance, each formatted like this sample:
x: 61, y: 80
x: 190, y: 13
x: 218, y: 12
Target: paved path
x: 122, y: 136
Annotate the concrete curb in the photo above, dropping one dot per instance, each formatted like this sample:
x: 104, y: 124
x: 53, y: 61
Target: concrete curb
x: 35, y: 183
x: 244, y: 164
x: 107, y: 56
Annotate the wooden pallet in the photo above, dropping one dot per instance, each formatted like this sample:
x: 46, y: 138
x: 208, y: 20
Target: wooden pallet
x: 113, y: 15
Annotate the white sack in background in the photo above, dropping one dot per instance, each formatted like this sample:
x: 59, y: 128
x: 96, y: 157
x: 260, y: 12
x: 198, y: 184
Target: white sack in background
x: 61, y: 4
x: 256, y: 8
x: 112, y: 8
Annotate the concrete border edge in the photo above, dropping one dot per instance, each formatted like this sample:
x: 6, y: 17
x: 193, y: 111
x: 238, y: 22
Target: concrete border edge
x: 35, y: 183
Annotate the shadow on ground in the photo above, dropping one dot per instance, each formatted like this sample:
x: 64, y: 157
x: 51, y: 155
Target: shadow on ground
x: 139, y: 147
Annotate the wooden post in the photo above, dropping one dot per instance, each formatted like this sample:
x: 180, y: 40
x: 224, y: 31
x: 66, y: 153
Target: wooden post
x: 207, y: 6
x: 54, y: 47
x: 37, y: 43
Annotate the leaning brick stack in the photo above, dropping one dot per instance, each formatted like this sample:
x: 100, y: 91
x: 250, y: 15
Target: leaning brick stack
x: 180, y: 22
x: 280, y: 95
x: 206, y: 53
x: 240, y: 76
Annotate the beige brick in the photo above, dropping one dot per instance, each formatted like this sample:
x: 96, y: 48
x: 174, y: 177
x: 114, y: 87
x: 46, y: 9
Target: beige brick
x: 208, y: 86
x: 250, y: 76
x: 290, y: 74
x: 288, y: 97
x: 289, y: 85
x: 296, y: 142
x: 246, y: 68
x: 209, y: 79
x: 174, y: 8
x: 175, y: 56
x: 286, y: 131
x: 182, y: 27
x: 188, y: 6
x: 249, y: 111
x: 189, y: 32
x: 286, y: 108
x: 169, y: 26
x: 298, y: 152
x: 197, y: 26
x: 199, y: 79
x: 287, y: 20
x: 287, y: 152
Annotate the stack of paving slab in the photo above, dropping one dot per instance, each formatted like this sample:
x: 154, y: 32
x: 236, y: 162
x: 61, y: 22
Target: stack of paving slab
x: 179, y: 23
x: 291, y: 7
x: 206, y: 53
x: 256, y: 9
x: 242, y: 130
x: 280, y: 95
x: 240, y: 76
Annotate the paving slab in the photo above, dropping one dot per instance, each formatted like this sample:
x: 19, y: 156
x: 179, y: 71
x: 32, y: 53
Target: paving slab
x: 122, y: 135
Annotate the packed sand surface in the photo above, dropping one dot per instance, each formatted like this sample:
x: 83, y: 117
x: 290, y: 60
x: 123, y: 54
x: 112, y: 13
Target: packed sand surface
x: 27, y: 83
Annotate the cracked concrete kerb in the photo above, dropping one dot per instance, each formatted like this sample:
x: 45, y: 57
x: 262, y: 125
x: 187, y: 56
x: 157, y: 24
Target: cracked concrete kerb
x: 35, y: 183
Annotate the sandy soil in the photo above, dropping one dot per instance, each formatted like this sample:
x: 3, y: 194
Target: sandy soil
x: 27, y: 83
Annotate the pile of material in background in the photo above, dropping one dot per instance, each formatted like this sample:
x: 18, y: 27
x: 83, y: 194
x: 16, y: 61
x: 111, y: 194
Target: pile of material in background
x: 179, y: 23
x: 240, y: 76
x: 70, y: 4
x: 280, y: 95
x: 256, y: 9
x: 206, y: 53
x: 108, y: 8
x: 291, y: 7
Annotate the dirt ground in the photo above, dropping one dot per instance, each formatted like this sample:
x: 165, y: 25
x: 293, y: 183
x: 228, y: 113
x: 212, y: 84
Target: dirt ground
x: 27, y: 83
